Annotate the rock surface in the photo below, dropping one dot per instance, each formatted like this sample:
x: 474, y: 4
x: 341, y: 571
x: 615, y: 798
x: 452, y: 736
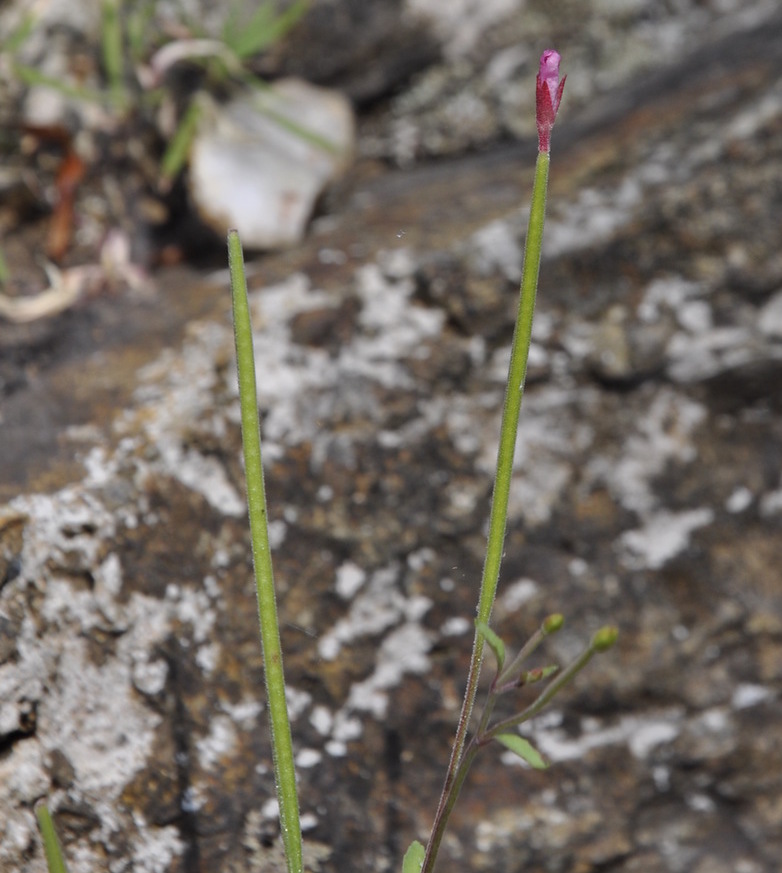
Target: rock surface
x: 648, y: 493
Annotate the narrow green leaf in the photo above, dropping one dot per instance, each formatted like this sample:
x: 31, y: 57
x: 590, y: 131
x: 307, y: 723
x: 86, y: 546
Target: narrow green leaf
x: 138, y: 26
x: 282, y: 744
x: 414, y: 858
x: 246, y: 38
x: 494, y: 642
x: 18, y: 35
x: 111, y: 45
x: 31, y: 76
x: 524, y: 749
x: 176, y: 154
x: 264, y: 104
x: 51, y: 843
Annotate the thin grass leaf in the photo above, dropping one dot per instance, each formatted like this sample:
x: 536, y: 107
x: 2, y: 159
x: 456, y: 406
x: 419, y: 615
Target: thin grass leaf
x: 282, y: 745
x: 31, y: 76
x: 245, y: 38
x: 524, y: 749
x: 262, y: 104
x: 18, y: 35
x: 51, y: 843
x: 111, y: 47
x: 137, y: 29
x: 265, y: 29
x: 178, y: 148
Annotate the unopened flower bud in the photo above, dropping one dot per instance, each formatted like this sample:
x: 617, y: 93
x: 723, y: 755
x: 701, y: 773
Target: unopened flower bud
x: 552, y: 623
x: 548, y: 94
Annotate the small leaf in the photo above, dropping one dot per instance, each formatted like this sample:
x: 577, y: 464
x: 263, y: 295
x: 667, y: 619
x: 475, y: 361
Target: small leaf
x: 414, y: 858
x: 494, y: 642
x: 524, y: 749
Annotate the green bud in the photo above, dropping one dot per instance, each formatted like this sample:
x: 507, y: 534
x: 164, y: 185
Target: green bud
x: 605, y: 638
x: 553, y: 622
x: 538, y: 674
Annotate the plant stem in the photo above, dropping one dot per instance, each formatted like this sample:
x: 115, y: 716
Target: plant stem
x: 514, y: 392
x: 513, y: 669
x: 284, y: 772
x: 546, y: 696
x: 55, y: 860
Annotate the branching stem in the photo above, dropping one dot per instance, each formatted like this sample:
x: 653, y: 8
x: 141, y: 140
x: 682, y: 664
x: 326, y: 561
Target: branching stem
x: 514, y: 392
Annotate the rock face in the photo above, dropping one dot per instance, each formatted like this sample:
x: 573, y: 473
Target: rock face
x: 648, y: 493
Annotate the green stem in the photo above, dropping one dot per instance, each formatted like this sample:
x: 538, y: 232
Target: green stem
x: 55, y: 860
x: 284, y: 772
x: 513, y: 670
x: 546, y: 696
x: 499, y: 507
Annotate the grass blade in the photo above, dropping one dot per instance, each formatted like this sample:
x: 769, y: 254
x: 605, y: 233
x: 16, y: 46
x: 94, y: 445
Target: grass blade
x: 284, y: 771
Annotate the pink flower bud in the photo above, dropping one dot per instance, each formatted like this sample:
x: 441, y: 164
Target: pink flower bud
x: 549, y: 90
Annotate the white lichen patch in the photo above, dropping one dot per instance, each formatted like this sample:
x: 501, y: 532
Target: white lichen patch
x: 377, y: 607
x: 307, y: 758
x: 455, y: 626
x: 663, y: 536
x: 404, y: 650
x: 206, y: 476
x: 297, y: 701
x: 94, y: 718
x: 207, y: 658
x: 592, y: 218
x: 194, y: 607
x: 218, y: 743
x: 551, y: 432
x: 68, y: 528
x: 394, y: 327
x: 460, y: 24
x: 154, y: 849
x: 662, y: 435
x: 90, y: 712
x: 748, y: 694
x: 641, y: 734
x: 350, y: 577
x: 23, y: 777
x: 245, y: 713
x: 516, y: 594
x: 322, y: 720
x: 495, y: 248
x: 149, y: 677
x: 175, y: 398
